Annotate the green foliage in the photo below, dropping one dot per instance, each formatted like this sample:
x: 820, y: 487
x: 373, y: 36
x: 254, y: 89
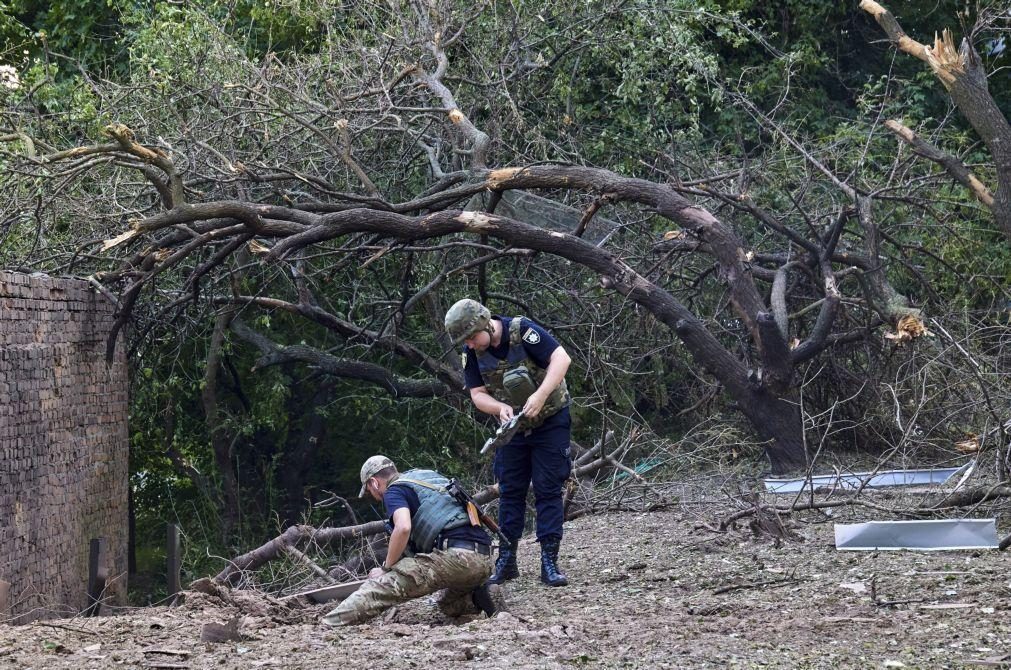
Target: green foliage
x: 178, y: 45
x: 95, y: 33
x: 640, y: 76
x: 288, y: 26
x: 86, y: 31
x: 970, y: 260
x: 14, y: 36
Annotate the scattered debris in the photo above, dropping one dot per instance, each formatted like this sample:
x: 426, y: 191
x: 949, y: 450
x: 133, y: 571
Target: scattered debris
x: 755, y: 585
x: 167, y: 652
x: 709, y: 609
x: 217, y: 632
x: 849, y: 619
x: 1001, y: 661
x: 611, y: 579
x: 664, y: 614
x: 855, y: 587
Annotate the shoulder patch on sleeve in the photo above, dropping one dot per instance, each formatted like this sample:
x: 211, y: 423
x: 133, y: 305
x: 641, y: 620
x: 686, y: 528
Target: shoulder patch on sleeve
x: 531, y: 336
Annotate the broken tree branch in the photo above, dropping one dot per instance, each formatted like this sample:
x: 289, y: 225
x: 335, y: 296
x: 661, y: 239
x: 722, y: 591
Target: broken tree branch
x: 951, y: 165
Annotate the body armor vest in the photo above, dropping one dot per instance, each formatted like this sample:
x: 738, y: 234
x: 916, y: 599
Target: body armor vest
x: 493, y: 370
x: 437, y: 512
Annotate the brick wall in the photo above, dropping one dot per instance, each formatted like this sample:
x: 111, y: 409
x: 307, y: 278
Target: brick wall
x: 63, y: 444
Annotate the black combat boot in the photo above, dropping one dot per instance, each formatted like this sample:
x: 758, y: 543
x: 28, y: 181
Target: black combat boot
x: 484, y: 600
x: 550, y: 574
x: 505, y: 566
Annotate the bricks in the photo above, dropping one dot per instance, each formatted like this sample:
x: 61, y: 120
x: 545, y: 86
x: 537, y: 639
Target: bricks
x: 63, y: 443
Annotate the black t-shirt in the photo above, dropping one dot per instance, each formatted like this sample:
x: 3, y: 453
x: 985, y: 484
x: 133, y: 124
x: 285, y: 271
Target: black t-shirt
x: 537, y: 342
x: 398, y: 496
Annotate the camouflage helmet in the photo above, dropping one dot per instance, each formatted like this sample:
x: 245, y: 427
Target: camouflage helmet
x: 465, y: 318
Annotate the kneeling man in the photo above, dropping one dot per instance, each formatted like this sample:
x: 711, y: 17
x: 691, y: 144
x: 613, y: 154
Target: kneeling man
x: 433, y: 546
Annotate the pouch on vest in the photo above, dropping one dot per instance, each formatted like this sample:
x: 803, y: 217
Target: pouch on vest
x: 519, y: 385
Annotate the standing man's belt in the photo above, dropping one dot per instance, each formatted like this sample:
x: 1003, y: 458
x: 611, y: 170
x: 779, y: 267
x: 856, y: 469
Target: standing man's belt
x: 467, y: 545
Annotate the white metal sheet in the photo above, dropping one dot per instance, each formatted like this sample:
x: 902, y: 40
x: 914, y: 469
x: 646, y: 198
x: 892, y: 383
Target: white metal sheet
x: 878, y: 479
x: 930, y: 535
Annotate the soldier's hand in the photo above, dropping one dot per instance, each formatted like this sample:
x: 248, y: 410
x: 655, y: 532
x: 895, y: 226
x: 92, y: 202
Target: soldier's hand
x: 534, y: 404
x: 376, y: 572
x: 505, y: 413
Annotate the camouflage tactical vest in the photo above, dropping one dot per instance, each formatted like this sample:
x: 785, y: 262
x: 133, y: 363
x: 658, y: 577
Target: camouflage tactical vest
x: 437, y: 512
x: 493, y: 370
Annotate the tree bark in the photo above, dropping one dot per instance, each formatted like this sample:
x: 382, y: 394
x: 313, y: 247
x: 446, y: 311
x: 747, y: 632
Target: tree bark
x: 778, y: 421
x: 275, y: 354
x: 443, y: 370
x: 292, y: 537
x: 220, y: 442
x: 952, y: 165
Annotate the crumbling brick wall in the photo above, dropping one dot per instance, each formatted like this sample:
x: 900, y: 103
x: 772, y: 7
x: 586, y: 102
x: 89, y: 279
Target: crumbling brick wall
x: 63, y: 445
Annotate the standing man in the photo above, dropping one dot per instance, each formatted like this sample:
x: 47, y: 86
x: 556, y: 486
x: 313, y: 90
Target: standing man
x: 512, y: 364
x: 433, y: 546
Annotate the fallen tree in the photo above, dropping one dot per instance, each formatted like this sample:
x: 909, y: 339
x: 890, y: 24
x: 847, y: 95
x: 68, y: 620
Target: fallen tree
x: 764, y: 395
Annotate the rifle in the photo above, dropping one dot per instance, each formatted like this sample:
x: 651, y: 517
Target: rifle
x: 474, y: 511
x: 504, y: 433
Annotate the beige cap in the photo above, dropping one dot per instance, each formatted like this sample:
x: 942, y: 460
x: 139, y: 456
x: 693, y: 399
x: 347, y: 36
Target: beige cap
x: 371, y: 467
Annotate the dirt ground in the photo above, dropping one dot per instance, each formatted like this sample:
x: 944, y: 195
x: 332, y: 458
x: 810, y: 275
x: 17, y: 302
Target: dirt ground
x: 647, y: 590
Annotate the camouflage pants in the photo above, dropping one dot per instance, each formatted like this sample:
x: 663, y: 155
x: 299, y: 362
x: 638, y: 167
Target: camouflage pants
x: 457, y: 570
